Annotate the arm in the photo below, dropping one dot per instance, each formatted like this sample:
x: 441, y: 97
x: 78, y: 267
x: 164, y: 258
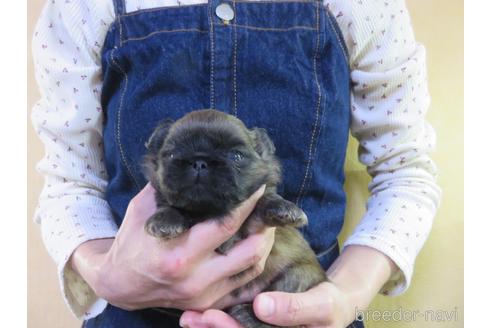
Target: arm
x: 68, y: 120
x: 389, y: 102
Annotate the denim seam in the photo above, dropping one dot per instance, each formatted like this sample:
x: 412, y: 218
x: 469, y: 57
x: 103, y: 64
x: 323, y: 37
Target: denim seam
x: 328, y: 16
x: 272, y: 29
x: 321, y: 128
x: 328, y: 250
x: 120, y: 7
x: 318, y: 104
x: 212, y: 57
x: 235, y: 64
x: 340, y: 44
x: 120, y: 31
x: 118, y: 120
x: 164, y: 31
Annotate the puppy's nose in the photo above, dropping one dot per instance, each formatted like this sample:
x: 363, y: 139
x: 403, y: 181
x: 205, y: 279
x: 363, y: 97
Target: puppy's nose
x: 199, y: 165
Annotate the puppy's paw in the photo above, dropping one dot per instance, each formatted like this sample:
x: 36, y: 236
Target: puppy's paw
x: 286, y: 213
x: 166, y: 224
x: 276, y: 211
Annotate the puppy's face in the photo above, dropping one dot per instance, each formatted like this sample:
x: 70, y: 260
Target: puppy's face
x: 208, y: 162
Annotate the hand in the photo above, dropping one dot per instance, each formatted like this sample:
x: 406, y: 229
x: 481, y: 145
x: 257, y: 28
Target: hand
x: 325, y: 306
x: 358, y: 274
x: 136, y: 270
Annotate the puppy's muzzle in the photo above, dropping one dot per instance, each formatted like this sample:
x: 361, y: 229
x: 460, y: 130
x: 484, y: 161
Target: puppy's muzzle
x: 199, y: 168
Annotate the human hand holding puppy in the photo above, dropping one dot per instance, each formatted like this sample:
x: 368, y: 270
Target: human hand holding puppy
x: 136, y: 270
x: 355, y: 278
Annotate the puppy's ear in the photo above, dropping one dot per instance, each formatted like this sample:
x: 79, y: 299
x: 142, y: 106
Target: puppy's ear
x: 263, y: 144
x: 158, y: 136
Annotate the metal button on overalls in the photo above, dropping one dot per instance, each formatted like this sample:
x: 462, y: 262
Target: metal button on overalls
x: 225, y: 12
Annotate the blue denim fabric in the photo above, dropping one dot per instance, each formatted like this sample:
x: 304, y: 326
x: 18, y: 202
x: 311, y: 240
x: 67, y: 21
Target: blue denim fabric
x: 280, y: 65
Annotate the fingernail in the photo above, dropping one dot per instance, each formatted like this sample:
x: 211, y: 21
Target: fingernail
x: 266, y: 305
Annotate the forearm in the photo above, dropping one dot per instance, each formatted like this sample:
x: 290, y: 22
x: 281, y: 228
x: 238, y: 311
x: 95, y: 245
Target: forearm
x: 361, y: 272
x: 88, y: 259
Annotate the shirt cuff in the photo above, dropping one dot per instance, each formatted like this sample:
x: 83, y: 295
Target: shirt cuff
x: 64, y: 228
x: 399, y: 230
x: 77, y: 294
x: 400, y: 280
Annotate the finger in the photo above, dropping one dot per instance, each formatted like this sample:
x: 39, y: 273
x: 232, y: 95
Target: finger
x: 290, y: 309
x: 245, y: 296
x: 223, y: 288
x: 232, y: 283
x: 219, y: 319
x: 192, y: 319
x: 245, y: 254
x: 213, y: 233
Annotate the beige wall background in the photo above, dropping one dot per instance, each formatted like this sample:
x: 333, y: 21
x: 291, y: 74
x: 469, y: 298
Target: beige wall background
x: 438, y: 279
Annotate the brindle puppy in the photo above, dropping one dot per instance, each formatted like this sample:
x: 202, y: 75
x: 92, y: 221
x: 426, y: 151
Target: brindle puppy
x: 204, y: 165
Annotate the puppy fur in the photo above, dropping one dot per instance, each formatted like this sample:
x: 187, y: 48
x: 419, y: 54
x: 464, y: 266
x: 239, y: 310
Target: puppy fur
x: 206, y: 163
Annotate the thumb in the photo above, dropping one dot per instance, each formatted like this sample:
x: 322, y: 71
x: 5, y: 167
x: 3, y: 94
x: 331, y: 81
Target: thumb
x: 291, y: 309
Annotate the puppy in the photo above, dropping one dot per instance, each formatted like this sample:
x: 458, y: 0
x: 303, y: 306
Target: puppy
x: 204, y: 165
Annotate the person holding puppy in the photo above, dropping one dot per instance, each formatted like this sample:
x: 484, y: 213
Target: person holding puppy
x: 306, y: 71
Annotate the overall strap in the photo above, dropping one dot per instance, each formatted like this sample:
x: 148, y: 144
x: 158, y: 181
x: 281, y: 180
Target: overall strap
x: 119, y: 7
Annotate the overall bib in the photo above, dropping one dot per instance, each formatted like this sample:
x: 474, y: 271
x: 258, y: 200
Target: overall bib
x: 280, y: 65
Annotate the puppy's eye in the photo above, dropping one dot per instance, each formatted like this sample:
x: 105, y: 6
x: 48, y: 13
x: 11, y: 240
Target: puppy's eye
x: 237, y: 156
x: 166, y: 155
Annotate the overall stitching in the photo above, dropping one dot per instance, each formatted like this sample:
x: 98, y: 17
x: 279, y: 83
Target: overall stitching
x: 164, y: 31
x: 235, y: 64
x: 318, y: 105
x: 120, y: 31
x: 328, y: 250
x: 120, y: 6
x: 118, y: 121
x: 212, y: 50
x: 341, y: 43
x: 271, y: 29
x: 321, y: 126
x: 334, y: 30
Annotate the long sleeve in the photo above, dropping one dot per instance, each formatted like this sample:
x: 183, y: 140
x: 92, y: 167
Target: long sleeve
x: 389, y: 102
x: 68, y: 120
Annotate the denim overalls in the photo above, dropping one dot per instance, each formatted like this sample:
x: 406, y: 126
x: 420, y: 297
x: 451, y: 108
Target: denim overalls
x: 276, y: 64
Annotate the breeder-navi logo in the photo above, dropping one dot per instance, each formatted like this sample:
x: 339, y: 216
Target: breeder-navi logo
x: 405, y: 315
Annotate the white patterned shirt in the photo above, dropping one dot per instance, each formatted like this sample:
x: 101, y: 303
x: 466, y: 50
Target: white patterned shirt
x: 389, y: 100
